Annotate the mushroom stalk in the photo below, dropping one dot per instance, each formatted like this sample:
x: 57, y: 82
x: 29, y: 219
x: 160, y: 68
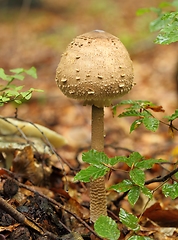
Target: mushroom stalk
x: 98, y: 205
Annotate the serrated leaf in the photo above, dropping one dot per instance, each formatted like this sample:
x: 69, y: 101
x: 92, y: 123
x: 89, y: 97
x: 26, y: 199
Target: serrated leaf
x: 147, y: 192
x: 32, y: 72
x: 107, y: 228
x: 95, y: 158
x: 147, y: 164
x: 171, y: 190
x: 123, y: 186
x: 127, y: 102
x: 91, y: 173
x: 133, y: 195
x: 137, y: 176
x: 151, y: 123
x: 130, y: 113
x: 135, y: 237
x: 129, y: 220
x: 135, y: 125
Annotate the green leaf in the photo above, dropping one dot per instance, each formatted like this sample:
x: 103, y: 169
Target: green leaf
x: 142, y: 11
x: 135, y: 237
x: 95, y: 158
x: 173, y: 116
x: 107, y: 228
x: 135, y: 124
x: 117, y: 159
x: 171, y: 190
x: 17, y: 101
x: 137, y: 176
x: 134, y: 158
x: 167, y: 23
x: 32, y: 72
x: 123, y: 186
x: 130, y: 113
x: 147, y: 164
x: 17, y: 70
x: 133, y: 195
x: 151, y: 123
x: 18, y: 76
x: 3, y: 75
x: 129, y: 220
x: 147, y: 192
x: 91, y: 173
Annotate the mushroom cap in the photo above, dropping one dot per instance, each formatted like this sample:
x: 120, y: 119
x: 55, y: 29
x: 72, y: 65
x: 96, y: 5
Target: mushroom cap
x: 96, y: 68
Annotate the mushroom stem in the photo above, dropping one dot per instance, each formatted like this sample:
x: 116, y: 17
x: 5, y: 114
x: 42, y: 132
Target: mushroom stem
x: 98, y: 205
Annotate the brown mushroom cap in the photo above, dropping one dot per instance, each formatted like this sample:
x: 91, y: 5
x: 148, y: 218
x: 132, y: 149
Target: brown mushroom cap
x: 96, y: 68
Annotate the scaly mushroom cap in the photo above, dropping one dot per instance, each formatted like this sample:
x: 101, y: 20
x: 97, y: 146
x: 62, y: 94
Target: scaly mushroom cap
x: 96, y: 68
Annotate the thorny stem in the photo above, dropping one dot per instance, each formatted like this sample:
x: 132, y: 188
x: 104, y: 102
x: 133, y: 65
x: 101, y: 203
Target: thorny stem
x: 98, y: 204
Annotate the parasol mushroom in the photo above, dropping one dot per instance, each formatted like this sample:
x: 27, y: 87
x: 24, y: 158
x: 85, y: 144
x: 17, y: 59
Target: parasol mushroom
x: 16, y: 134
x: 95, y: 68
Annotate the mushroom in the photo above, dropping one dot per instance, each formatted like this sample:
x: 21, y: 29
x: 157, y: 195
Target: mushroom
x: 11, y: 126
x: 17, y: 134
x: 96, y: 68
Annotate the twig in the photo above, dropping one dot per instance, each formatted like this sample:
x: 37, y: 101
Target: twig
x: 59, y: 205
x: 157, y: 179
x: 19, y: 217
x: 162, y: 179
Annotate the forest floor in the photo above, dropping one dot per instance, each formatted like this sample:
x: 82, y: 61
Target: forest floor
x: 37, y: 37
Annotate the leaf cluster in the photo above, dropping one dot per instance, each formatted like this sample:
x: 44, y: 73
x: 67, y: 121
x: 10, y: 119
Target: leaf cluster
x: 107, y: 228
x: 166, y: 22
x: 142, y: 111
x: 10, y: 92
x: 100, y: 164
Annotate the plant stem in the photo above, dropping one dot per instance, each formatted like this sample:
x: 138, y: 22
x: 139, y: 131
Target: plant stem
x: 98, y: 204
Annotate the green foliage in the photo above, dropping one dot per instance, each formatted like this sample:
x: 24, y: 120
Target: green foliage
x: 142, y: 110
x: 100, y: 164
x: 166, y: 22
x: 106, y: 227
x: 129, y: 220
x: 10, y: 92
x: 170, y: 190
x: 173, y: 116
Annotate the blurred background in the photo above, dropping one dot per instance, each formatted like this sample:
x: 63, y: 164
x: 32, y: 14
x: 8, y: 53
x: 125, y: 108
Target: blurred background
x: 35, y: 33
